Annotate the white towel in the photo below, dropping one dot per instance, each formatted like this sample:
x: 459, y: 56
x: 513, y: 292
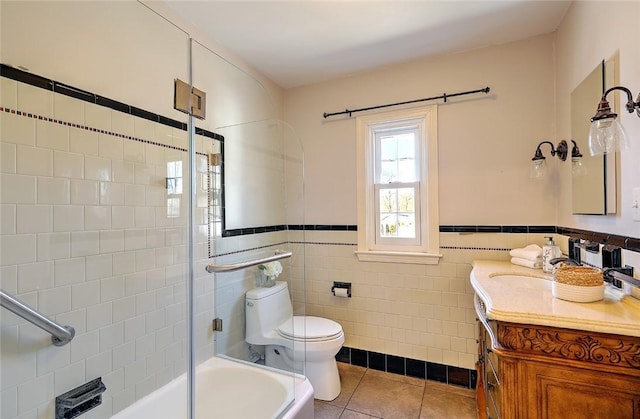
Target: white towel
x: 532, y: 252
x: 527, y: 263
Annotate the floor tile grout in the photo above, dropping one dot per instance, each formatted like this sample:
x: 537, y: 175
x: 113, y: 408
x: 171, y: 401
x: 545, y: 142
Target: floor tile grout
x: 440, y: 399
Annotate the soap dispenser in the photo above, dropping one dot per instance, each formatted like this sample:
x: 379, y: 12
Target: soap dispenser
x: 549, y: 251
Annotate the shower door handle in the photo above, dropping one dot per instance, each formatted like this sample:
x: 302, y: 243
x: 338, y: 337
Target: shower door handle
x: 247, y: 264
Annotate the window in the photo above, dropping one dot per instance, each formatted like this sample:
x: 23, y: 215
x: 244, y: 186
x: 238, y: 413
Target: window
x: 174, y: 188
x: 398, y: 186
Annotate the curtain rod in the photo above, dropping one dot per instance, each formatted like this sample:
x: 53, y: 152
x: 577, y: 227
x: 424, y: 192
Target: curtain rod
x: 444, y: 96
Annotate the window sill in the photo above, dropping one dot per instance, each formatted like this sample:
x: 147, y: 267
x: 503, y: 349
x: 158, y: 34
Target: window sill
x: 398, y: 257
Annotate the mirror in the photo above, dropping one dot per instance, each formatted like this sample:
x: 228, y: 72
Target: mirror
x: 593, y: 184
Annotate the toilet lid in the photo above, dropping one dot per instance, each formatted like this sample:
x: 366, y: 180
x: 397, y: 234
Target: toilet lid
x: 310, y: 328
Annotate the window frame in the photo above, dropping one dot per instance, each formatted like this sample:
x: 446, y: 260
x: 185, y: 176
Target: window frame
x: 381, y: 242
x: 427, y: 251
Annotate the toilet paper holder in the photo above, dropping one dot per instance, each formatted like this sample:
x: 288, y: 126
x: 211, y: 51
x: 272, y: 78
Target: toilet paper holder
x: 341, y: 285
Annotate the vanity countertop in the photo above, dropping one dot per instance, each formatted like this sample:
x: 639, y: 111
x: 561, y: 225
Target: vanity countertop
x: 531, y: 302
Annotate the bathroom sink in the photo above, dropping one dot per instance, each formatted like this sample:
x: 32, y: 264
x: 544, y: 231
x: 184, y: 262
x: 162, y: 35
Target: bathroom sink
x: 531, y: 285
x: 511, y: 280
x: 514, y: 295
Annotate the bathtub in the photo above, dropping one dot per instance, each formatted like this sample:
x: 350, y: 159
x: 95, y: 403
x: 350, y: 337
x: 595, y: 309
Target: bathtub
x: 229, y: 389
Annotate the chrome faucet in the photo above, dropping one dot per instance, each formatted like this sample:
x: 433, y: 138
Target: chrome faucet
x: 616, y: 276
x: 568, y: 261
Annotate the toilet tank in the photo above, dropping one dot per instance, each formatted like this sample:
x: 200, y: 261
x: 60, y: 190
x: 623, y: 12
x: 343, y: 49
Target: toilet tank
x: 266, y: 309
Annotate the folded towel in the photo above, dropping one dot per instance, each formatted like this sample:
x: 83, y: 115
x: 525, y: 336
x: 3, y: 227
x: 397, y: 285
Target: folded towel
x: 532, y: 252
x: 526, y: 263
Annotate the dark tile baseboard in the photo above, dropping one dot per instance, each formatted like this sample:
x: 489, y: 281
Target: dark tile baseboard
x: 410, y: 367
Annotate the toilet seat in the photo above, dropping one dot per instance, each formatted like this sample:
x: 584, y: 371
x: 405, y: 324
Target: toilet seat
x: 310, y: 329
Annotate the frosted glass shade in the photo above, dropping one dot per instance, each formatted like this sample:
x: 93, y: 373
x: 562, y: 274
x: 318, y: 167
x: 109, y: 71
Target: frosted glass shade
x: 538, y: 169
x: 607, y: 136
x: 577, y: 167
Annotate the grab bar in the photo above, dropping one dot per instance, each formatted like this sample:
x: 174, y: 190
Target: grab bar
x: 247, y: 264
x: 60, y: 335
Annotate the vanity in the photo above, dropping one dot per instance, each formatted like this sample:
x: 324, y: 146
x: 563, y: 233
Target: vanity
x: 542, y: 357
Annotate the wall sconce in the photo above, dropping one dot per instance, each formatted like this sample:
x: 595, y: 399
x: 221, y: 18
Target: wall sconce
x: 577, y: 166
x: 538, y: 162
x: 606, y: 133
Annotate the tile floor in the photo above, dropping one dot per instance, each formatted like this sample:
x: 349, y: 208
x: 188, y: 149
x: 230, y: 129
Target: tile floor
x: 370, y: 393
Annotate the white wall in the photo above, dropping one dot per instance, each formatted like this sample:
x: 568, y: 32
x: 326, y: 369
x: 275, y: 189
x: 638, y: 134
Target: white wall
x: 76, y: 43
x: 485, y: 142
x: 592, y: 32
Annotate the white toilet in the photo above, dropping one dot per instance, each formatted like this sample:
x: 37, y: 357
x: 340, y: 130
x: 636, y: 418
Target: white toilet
x: 303, y: 344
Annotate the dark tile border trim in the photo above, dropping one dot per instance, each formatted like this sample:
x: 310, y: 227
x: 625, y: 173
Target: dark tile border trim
x: 491, y: 249
x: 92, y: 129
x: 497, y: 229
x: 443, y: 229
x: 281, y: 227
x: 627, y: 243
x: 64, y: 89
x: 425, y: 370
x: 253, y: 230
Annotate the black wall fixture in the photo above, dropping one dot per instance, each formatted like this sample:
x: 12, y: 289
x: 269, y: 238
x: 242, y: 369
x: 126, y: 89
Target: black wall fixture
x: 79, y: 400
x: 444, y: 96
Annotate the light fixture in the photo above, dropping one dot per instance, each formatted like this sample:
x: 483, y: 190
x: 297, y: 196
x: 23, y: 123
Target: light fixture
x: 538, y: 162
x: 577, y: 166
x: 606, y: 134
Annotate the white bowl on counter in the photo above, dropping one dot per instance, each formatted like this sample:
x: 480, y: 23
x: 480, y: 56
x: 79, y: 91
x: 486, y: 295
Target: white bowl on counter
x: 577, y: 293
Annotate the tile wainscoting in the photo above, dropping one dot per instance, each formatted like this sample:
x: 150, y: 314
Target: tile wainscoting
x: 408, y: 311
x: 410, y: 367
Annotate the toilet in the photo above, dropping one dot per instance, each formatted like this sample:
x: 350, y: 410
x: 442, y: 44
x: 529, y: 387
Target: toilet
x: 303, y: 344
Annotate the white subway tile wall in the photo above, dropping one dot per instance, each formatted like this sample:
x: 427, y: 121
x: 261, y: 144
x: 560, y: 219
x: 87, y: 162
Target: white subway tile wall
x: 9, y: 97
x: 412, y: 311
x: 68, y: 109
x: 86, y: 239
x: 123, y: 123
x: 35, y: 100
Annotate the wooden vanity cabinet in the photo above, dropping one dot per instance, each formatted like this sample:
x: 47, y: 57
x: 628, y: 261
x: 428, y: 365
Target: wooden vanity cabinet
x: 540, y: 372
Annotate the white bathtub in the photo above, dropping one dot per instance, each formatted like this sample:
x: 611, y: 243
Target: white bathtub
x: 229, y: 389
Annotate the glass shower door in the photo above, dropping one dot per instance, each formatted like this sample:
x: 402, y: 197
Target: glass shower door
x: 249, y: 202
x: 98, y: 231
x: 94, y: 211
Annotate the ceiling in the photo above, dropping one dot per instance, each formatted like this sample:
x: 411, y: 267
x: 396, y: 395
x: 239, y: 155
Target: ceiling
x: 302, y: 42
